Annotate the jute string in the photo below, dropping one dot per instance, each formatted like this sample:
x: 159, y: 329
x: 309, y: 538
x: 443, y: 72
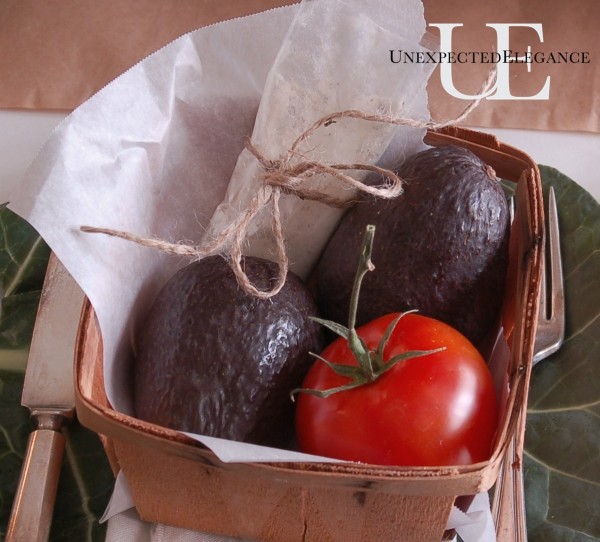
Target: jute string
x: 284, y: 176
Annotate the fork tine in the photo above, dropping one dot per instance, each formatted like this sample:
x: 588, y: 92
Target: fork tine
x: 509, y: 498
x: 544, y: 294
x: 511, y: 208
x: 556, y: 272
x: 551, y: 327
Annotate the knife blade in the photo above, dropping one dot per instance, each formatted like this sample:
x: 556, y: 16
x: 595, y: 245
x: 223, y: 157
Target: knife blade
x: 49, y: 395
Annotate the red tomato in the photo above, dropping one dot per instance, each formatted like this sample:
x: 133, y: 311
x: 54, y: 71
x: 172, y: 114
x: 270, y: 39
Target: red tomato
x: 432, y: 410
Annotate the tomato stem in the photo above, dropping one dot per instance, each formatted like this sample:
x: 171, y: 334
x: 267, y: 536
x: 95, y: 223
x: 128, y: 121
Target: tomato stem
x: 364, y: 266
x: 360, y: 350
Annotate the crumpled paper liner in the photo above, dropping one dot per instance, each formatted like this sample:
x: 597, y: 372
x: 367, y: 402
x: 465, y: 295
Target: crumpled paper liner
x: 152, y: 154
x: 315, y: 74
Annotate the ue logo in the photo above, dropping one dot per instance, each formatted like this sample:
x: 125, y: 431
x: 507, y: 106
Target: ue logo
x: 501, y: 88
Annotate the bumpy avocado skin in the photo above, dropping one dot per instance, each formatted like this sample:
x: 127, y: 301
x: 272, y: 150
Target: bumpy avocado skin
x: 214, y: 360
x: 441, y: 247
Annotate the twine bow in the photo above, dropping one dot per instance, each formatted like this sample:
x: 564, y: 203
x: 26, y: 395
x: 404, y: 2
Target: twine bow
x: 292, y: 175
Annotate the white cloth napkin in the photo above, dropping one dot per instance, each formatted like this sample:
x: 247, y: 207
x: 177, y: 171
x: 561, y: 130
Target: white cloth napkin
x: 127, y: 527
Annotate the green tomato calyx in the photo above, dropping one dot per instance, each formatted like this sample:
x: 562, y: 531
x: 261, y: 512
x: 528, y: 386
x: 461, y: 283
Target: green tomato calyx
x: 370, y: 363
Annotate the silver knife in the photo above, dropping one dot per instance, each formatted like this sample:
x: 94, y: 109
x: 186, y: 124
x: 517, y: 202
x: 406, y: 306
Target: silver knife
x: 48, y: 393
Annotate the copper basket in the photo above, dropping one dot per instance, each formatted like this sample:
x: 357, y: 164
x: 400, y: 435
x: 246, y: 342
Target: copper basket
x: 175, y: 480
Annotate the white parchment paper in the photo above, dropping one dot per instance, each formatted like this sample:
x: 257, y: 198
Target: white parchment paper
x: 334, y: 57
x: 154, y: 151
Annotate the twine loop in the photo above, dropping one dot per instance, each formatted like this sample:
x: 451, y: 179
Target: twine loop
x: 293, y: 175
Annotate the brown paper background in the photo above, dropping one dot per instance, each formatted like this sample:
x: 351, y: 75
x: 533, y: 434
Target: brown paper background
x: 574, y: 88
x: 54, y: 54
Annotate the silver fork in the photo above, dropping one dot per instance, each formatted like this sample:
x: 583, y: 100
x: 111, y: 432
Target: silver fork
x: 550, y: 332
x: 508, y: 507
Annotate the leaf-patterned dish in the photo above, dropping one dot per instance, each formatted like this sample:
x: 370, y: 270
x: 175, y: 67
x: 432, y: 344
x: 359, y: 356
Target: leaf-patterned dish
x: 562, y: 439
x: 23, y: 259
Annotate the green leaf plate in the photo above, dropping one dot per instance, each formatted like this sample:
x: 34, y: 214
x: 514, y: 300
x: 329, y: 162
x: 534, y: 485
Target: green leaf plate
x: 23, y: 261
x: 562, y: 439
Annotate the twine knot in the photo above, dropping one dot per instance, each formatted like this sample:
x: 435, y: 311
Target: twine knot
x: 293, y: 175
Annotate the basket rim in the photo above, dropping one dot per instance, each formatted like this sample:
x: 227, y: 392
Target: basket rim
x: 510, y: 163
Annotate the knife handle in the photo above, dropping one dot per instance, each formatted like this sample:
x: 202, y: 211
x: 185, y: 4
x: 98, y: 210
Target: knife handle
x: 33, y: 506
x: 509, y: 498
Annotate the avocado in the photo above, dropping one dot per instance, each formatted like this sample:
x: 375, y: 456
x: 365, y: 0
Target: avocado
x: 441, y: 249
x: 214, y: 360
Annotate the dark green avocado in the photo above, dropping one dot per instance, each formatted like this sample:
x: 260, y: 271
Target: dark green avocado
x: 440, y: 248
x: 213, y: 360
